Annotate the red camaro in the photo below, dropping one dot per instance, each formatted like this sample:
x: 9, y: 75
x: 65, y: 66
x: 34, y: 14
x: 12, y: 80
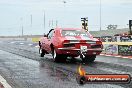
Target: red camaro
x: 70, y: 42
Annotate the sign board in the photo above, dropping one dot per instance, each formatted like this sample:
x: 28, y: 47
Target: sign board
x: 125, y: 50
x: 110, y: 49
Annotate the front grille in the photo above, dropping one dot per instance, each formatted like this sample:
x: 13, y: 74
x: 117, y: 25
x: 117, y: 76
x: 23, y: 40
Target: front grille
x: 95, y: 46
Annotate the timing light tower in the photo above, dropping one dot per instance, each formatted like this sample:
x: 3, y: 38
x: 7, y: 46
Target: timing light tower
x: 85, y: 23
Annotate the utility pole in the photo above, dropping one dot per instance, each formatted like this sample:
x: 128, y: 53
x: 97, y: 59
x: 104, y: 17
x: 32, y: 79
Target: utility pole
x: 49, y: 23
x: 21, y: 26
x: 56, y: 23
x: 100, y: 16
x: 44, y: 20
x: 52, y: 23
x: 31, y: 20
x: 22, y: 30
x: 64, y: 2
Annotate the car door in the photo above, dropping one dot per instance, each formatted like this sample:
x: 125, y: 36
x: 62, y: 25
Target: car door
x: 49, y: 37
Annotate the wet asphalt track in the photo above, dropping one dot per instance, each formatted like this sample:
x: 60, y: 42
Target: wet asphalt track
x: 22, y: 67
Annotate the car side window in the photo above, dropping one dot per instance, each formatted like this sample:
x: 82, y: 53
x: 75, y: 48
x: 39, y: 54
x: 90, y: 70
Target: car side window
x: 50, y: 35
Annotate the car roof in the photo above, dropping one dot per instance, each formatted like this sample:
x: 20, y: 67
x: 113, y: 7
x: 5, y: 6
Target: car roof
x: 68, y: 29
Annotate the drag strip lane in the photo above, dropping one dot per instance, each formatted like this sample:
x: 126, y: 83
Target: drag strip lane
x: 21, y: 72
x: 69, y: 68
x: 115, y: 60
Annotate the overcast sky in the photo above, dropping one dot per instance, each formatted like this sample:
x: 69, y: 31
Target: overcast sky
x: 15, y: 13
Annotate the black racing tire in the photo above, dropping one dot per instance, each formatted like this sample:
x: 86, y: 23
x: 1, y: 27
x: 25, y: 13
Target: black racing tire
x: 42, y: 53
x: 89, y: 58
x: 58, y: 57
x: 63, y: 58
x: 73, y: 59
x: 55, y: 55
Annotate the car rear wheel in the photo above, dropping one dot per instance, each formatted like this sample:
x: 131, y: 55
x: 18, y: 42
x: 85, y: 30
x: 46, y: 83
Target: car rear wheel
x: 89, y: 58
x: 55, y: 55
x: 63, y: 58
x: 58, y: 57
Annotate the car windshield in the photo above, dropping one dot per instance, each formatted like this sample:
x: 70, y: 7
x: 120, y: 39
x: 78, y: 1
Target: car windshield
x: 74, y: 33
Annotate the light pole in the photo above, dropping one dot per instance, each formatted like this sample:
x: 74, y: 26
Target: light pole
x: 100, y: 16
x: 56, y: 23
x: 21, y: 25
x: 52, y: 23
x: 44, y: 20
x: 31, y: 20
x: 64, y: 2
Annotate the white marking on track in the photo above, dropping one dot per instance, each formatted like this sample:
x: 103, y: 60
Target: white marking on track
x: 114, y: 71
x: 21, y: 43
x: 108, y: 55
x: 117, y: 56
x: 102, y: 54
x: 12, y: 42
x: 4, y: 82
x: 124, y: 57
x: 30, y: 44
x: 37, y: 46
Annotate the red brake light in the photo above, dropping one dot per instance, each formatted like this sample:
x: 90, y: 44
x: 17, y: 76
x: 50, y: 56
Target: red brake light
x: 66, y: 41
x: 98, y: 42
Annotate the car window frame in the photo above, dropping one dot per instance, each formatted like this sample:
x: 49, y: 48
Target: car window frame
x: 50, y: 34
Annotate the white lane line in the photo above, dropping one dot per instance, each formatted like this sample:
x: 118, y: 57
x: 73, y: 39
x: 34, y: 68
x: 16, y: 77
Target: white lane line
x: 21, y: 43
x: 102, y: 54
x: 30, y: 44
x: 4, y: 82
x: 37, y: 46
x: 12, y: 42
x: 124, y: 57
x: 108, y: 55
x: 117, y: 56
x: 114, y: 71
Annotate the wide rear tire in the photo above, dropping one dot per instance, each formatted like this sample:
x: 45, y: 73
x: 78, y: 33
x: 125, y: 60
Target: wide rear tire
x: 55, y: 56
x: 89, y: 58
x: 58, y: 57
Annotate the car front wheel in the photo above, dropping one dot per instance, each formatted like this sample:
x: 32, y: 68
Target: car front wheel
x: 58, y: 57
x: 42, y: 52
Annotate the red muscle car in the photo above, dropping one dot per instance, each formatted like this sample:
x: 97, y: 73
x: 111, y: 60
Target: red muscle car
x: 70, y: 42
